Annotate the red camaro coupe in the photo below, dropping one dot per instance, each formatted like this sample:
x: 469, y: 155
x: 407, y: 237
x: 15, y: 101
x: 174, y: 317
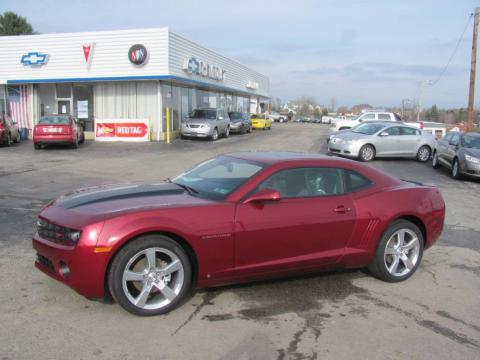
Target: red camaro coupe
x: 235, y: 218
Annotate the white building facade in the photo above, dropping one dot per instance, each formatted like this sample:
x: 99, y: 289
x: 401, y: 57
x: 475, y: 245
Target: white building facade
x: 127, y: 74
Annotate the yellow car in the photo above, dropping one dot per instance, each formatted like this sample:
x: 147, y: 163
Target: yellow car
x: 261, y: 121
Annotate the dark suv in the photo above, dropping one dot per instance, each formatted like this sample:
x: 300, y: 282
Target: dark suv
x: 460, y: 153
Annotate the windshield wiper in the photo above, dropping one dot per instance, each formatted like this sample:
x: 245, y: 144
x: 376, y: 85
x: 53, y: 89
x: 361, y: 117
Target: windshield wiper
x: 189, y: 189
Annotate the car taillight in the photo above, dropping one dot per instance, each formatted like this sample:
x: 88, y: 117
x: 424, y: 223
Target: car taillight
x: 421, y: 125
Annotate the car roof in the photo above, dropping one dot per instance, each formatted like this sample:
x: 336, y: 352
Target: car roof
x: 274, y: 157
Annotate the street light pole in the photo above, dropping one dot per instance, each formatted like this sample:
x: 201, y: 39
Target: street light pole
x: 473, y: 70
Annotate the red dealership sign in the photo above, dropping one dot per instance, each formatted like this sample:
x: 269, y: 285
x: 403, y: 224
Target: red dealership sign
x: 122, y: 130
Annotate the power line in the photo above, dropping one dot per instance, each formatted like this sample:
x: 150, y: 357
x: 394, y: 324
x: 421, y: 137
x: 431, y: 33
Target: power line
x: 433, y: 83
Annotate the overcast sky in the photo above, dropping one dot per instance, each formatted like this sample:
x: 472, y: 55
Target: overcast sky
x: 358, y: 51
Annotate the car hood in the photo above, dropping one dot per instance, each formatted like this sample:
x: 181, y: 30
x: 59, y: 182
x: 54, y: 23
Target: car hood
x: 472, y: 152
x: 84, y: 206
x: 199, y: 121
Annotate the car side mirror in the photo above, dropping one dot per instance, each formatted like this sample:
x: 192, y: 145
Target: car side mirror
x: 263, y: 195
x: 220, y: 118
x: 384, y: 133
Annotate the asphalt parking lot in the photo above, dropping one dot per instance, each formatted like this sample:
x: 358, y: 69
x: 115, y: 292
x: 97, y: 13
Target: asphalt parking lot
x: 341, y: 315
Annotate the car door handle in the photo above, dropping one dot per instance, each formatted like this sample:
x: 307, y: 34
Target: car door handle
x: 342, y: 209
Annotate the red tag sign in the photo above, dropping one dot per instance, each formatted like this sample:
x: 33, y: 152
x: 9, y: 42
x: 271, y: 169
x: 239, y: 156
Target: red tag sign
x: 131, y: 130
x: 105, y: 130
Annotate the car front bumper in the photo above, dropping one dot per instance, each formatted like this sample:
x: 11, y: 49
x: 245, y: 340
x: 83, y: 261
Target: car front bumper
x: 196, y: 132
x: 236, y: 128
x: 78, y: 267
x: 343, y: 149
x: 470, y: 169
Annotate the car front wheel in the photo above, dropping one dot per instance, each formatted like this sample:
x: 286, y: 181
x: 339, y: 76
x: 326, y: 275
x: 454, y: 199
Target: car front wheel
x: 456, y: 169
x: 150, y: 275
x: 435, y: 163
x: 214, y: 135
x: 398, y: 252
x: 367, y: 153
x: 227, y: 132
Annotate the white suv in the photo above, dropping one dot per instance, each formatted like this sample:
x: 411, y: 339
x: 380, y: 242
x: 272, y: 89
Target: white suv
x: 343, y: 124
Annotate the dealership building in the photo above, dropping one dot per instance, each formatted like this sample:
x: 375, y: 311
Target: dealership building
x: 125, y: 76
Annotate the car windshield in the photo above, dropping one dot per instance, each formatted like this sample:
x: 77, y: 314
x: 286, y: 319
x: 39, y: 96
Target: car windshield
x: 235, y: 115
x: 257, y: 116
x: 368, y: 129
x: 217, y: 178
x: 471, y: 142
x: 204, y: 114
x: 54, y: 120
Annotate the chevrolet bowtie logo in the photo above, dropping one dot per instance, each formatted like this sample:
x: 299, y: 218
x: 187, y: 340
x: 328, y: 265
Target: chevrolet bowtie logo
x: 34, y: 58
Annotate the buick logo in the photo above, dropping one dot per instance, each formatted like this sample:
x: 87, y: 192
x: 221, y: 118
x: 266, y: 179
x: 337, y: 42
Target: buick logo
x: 137, y: 54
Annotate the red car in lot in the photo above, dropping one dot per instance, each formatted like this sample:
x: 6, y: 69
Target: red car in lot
x: 9, y: 131
x: 235, y: 218
x: 58, y: 129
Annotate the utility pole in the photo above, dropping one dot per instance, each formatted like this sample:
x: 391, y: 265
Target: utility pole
x: 473, y: 70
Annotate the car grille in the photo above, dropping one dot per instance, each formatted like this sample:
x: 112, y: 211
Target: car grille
x: 194, y: 126
x: 334, y: 150
x: 45, y: 262
x: 55, y: 233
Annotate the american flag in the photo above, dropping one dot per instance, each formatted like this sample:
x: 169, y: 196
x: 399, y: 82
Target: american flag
x: 18, y: 105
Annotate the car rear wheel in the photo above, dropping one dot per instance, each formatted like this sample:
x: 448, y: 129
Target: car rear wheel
x: 82, y: 139
x: 456, y: 170
x: 150, y: 275
x: 398, y: 253
x: 367, y: 153
x: 424, y: 153
x: 37, y: 146
x: 8, y: 140
x: 75, y: 144
x: 435, y: 163
x: 214, y: 135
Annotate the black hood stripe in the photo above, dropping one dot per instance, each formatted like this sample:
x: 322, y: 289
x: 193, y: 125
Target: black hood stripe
x: 122, y: 193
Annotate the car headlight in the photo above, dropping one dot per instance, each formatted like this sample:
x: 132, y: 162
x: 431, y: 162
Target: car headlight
x: 472, y: 159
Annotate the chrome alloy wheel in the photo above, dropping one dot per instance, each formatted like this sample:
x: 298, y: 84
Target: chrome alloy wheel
x: 402, y: 252
x: 153, y: 278
x: 367, y: 153
x: 423, y: 154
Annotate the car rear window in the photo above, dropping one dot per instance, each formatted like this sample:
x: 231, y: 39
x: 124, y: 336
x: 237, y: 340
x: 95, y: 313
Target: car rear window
x: 54, y: 120
x: 355, y: 181
x: 235, y: 115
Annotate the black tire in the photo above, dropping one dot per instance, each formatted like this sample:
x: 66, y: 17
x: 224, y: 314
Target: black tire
x: 378, y: 266
x: 8, y: 141
x: 424, y: 153
x: 82, y: 139
x: 37, y: 146
x: 249, y: 130
x: 214, y: 136
x: 270, y: 127
x: 366, y: 153
x: 227, y: 132
x: 455, y: 172
x: 119, y: 263
x: 435, y: 163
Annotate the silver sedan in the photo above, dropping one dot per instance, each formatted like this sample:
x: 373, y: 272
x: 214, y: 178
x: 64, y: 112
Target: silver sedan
x: 379, y: 139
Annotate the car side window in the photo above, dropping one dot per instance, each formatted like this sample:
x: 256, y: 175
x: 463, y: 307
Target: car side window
x: 368, y: 116
x: 409, y: 131
x: 355, y: 181
x: 305, y: 182
x: 393, y: 131
x: 455, y: 139
x: 447, y: 137
x: 384, y: 117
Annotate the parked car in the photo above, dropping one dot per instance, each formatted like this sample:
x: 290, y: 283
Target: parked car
x: 327, y: 119
x: 149, y: 245
x: 276, y: 117
x: 9, y: 131
x: 58, y: 129
x: 344, y: 124
x: 460, y: 153
x: 206, y: 123
x: 261, y: 121
x: 382, y: 139
x: 240, y: 122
